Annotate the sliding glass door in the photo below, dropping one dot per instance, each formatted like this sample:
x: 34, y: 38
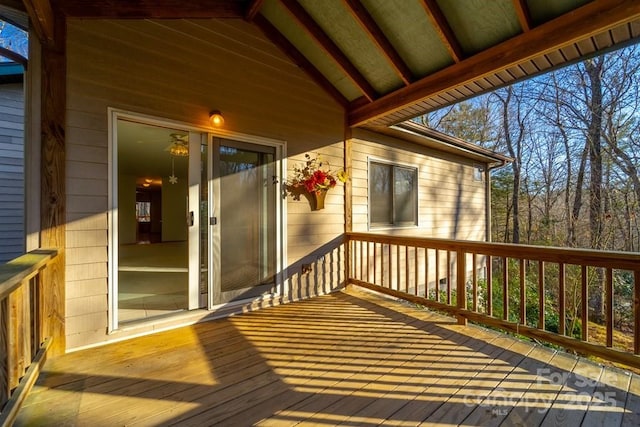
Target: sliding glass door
x: 243, y: 221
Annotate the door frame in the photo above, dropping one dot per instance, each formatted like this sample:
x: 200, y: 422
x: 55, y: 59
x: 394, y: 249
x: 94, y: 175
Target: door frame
x: 115, y: 114
x: 280, y: 214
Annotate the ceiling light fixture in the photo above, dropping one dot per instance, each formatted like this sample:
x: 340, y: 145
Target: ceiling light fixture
x: 216, y: 119
x: 179, y: 145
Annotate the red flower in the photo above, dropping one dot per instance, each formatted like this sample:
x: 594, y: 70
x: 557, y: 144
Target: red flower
x: 319, y: 176
x: 310, y: 184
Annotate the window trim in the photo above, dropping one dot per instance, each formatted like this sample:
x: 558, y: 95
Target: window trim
x: 478, y: 172
x: 382, y: 226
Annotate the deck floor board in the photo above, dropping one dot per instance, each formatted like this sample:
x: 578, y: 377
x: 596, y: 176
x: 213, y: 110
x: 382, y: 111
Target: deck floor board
x: 349, y: 358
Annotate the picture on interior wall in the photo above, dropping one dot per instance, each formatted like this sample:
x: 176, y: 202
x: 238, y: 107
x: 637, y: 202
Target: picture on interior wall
x: 313, y: 179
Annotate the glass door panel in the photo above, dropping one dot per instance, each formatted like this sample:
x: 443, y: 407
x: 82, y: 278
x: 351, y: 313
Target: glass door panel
x: 244, y: 249
x: 153, y: 256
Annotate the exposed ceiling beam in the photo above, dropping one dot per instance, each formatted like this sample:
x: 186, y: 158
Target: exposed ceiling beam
x: 15, y: 57
x: 151, y: 9
x: 253, y: 9
x: 524, y: 16
x: 376, y: 35
x: 14, y: 4
x: 42, y: 19
x: 298, y: 58
x: 588, y: 20
x: 443, y: 29
x: 318, y: 34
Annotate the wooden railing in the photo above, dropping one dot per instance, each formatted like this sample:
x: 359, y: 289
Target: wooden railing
x: 24, y: 330
x: 544, y: 293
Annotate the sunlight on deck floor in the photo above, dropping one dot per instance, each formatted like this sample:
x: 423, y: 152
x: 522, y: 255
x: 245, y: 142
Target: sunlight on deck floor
x: 350, y: 358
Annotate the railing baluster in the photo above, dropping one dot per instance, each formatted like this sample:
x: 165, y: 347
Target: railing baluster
x: 437, y: 282
x: 361, y: 257
x: 585, y: 303
x: 489, y: 287
x: 474, y: 281
x: 562, y: 305
x: 382, y: 265
x: 426, y: 272
x: 368, y: 260
x: 406, y: 269
x: 523, y: 292
x: 416, y: 271
x: 391, y: 265
x: 541, y: 301
x: 609, y: 306
x: 448, y: 277
x: 505, y: 288
x: 375, y: 263
x: 461, y: 285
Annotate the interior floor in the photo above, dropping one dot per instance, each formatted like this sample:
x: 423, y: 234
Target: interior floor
x: 152, y: 280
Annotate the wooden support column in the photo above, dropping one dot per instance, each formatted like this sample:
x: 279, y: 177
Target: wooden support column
x: 53, y: 175
x: 348, y: 227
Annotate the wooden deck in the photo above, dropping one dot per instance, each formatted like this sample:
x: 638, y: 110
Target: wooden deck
x: 348, y: 358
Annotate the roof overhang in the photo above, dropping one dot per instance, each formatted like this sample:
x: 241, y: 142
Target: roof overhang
x: 389, y: 61
x: 427, y: 137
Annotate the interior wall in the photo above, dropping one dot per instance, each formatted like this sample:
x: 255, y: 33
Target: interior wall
x: 180, y: 70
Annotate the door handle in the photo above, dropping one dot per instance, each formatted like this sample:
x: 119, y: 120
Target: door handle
x: 190, y: 219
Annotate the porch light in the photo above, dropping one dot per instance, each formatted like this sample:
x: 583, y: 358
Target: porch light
x: 216, y: 119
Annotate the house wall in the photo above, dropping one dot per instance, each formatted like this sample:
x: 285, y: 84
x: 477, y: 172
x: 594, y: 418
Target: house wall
x: 451, y: 204
x: 180, y: 70
x: 11, y: 171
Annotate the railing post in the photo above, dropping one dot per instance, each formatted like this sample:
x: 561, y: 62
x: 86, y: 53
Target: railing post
x: 461, y: 285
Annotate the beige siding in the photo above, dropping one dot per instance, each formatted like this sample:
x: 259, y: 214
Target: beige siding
x: 451, y: 204
x: 180, y: 70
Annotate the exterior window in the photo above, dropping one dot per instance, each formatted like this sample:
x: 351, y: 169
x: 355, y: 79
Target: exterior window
x: 393, y: 195
x: 478, y: 173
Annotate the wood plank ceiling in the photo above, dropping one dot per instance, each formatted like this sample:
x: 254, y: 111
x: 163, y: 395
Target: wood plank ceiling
x: 387, y: 61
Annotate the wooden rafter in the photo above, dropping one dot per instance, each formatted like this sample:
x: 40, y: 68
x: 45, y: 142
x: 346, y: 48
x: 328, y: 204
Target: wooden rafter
x: 253, y: 9
x: 314, y: 30
x: 584, y: 22
x: 443, y: 29
x: 298, y: 58
x: 15, y: 57
x: 152, y: 9
x: 524, y: 16
x: 42, y: 19
x: 376, y: 35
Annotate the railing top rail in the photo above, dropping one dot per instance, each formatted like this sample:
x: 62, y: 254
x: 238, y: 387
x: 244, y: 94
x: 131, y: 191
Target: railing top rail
x: 590, y: 257
x: 18, y: 269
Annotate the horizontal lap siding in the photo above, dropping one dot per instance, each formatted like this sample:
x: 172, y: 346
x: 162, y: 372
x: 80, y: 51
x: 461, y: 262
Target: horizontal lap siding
x: 11, y: 171
x: 450, y: 203
x: 180, y: 70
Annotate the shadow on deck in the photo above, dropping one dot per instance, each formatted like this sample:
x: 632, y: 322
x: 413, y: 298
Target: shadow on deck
x: 349, y: 358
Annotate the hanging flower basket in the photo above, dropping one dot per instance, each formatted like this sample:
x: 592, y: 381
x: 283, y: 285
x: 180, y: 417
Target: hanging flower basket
x: 312, y: 180
x: 316, y: 199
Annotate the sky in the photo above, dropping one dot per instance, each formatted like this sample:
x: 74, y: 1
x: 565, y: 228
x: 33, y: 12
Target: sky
x: 13, y: 38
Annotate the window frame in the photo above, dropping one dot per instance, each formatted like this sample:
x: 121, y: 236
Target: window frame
x: 394, y: 223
